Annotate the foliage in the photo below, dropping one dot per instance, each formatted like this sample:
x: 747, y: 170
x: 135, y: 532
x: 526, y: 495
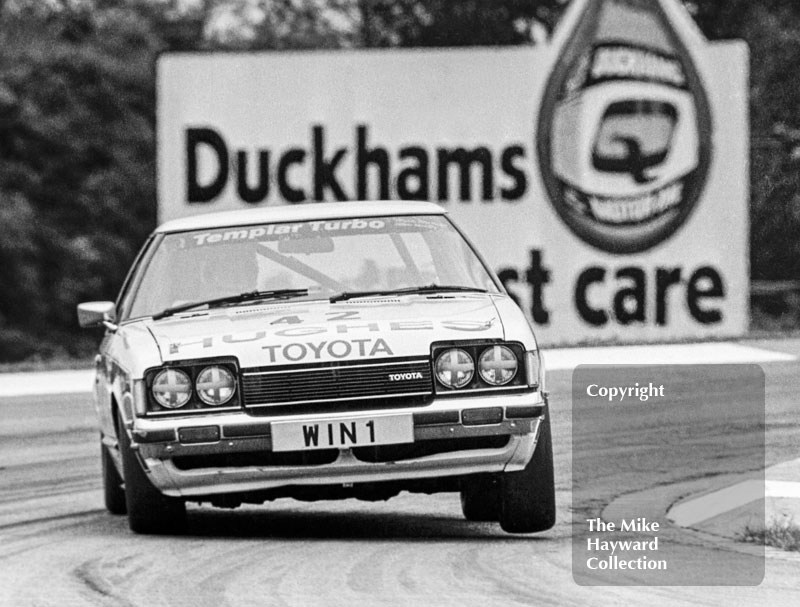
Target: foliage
x: 782, y: 533
x: 772, y: 31
x: 76, y: 168
x: 447, y: 23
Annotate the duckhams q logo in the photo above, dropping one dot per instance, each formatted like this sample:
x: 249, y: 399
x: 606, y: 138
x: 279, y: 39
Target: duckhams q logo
x: 625, y: 127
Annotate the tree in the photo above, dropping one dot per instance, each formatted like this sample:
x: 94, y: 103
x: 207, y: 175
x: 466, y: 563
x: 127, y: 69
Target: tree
x: 447, y: 23
x: 76, y: 167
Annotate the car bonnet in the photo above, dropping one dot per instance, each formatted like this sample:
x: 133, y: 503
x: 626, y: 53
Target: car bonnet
x: 319, y: 332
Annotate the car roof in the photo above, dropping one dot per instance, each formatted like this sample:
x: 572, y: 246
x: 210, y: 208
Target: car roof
x: 301, y: 212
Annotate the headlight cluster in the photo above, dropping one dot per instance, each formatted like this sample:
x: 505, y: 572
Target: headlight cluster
x: 192, y: 387
x: 172, y: 388
x: 480, y: 366
x: 497, y: 365
x: 454, y: 368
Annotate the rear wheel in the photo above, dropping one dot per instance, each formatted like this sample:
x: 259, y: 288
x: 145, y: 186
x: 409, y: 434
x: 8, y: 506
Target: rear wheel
x: 149, y: 510
x: 113, y: 492
x: 528, y: 498
x: 479, y: 499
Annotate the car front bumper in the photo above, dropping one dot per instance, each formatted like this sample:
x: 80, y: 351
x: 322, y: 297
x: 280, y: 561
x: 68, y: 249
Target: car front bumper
x: 163, y: 442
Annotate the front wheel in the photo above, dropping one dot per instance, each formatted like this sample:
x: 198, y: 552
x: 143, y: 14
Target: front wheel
x: 479, y: 499
x: 113, y: 492
x: 528, y: 498
x: 149, y: 510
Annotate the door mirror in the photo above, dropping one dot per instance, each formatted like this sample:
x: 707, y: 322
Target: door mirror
x: 96, y: 313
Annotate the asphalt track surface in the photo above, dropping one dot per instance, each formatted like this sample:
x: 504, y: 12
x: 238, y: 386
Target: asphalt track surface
x: 59, y: 547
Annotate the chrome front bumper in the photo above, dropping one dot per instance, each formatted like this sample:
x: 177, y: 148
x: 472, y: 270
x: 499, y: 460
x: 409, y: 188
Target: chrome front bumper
x: 157, y: 443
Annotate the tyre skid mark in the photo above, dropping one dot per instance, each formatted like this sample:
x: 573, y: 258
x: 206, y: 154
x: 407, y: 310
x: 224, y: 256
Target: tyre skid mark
x: 23, y: 494
x: 53, y: 518
x: 89, y: 575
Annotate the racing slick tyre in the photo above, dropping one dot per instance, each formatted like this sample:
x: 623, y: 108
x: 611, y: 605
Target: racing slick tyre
x: 113, y: 493
x: 149, y: 510
x: 528, y: 498
x: 479, y: 499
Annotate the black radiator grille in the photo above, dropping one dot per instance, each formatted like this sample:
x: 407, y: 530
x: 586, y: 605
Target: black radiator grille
x: 331, y: 383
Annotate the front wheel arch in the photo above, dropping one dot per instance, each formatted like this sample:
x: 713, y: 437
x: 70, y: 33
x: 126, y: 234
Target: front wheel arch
x: 149, y: 510
x: 527, y: 498
x: 115, y: 416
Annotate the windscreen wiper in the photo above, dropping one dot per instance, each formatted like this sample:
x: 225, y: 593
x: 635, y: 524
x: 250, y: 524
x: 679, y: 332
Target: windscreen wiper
x: 232, y: 299
x: 344, y: 296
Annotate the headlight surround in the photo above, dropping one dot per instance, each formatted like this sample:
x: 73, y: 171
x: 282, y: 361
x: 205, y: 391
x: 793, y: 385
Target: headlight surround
x: 454, y: 368
x: 498, y: 365
x: 172, y: 388
x: 215, y: 385
x: 535, y: 366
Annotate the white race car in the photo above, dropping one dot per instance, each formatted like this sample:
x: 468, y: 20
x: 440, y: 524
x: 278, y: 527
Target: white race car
x: 319, y: 351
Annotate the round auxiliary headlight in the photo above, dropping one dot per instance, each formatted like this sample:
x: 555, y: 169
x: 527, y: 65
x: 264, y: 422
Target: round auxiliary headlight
x: 497, y: 365
x: 172, y: 388
x: 454, y: 368
x: 215, y: 386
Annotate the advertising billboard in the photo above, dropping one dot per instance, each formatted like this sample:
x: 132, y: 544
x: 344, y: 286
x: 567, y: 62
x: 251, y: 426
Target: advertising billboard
x: 603, y: 175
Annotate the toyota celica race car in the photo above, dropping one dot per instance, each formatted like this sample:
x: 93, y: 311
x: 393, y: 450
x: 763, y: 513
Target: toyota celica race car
x: 319, y: 351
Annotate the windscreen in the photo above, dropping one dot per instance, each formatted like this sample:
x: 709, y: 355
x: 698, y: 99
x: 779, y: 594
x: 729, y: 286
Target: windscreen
x: 326, y: 257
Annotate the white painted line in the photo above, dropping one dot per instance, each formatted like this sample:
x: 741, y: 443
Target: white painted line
x: 673, y: 354
x: 783, y: 489
x: 46, y: 382
x: 706, y: 507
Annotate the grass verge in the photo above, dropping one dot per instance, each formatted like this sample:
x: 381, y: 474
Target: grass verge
x: 63, y: 363
x: 783, y: 534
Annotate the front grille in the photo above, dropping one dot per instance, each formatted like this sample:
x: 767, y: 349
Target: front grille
x: 386, y: 383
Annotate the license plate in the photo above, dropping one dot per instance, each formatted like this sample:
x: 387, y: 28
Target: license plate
x: 342, y: 433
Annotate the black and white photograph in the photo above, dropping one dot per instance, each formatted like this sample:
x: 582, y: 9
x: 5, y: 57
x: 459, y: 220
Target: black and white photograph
x: 399, y: 302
